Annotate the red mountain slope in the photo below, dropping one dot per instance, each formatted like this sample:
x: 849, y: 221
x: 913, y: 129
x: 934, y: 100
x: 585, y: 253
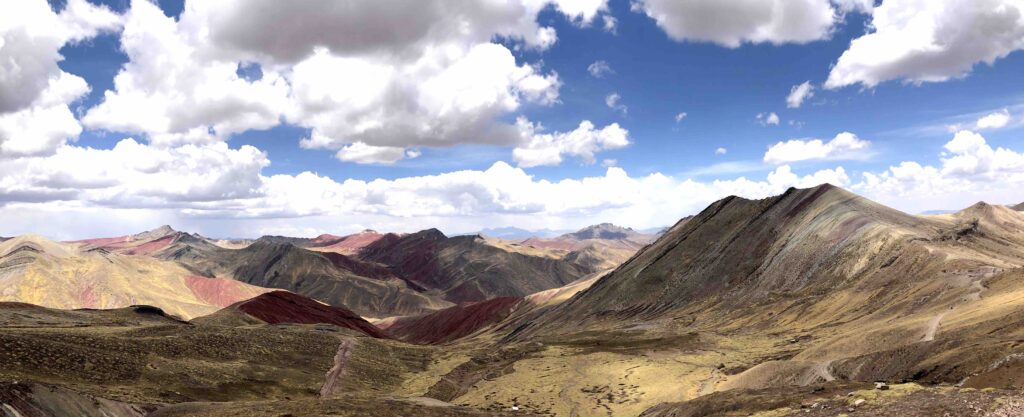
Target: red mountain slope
x: 452, y: 323
x: 286, y: 307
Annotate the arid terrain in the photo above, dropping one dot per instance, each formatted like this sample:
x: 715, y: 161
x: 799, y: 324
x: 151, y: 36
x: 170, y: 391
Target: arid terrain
x: 558, y: 208
x: 814, y: 302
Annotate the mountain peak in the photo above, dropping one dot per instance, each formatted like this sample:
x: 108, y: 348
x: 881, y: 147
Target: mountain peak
x: 979, y: 209
x: 820, y: 188
x: 825, y: 186
x: 992, y: 215
x: 325, y: 240
x: 33, y: 243
x: 430, y: 234
x: 265, y: 243
x: 603, y: 231
x: 165, y: 229
x: 801, y: 199
x: 731, y: 252
x: 157, y: 233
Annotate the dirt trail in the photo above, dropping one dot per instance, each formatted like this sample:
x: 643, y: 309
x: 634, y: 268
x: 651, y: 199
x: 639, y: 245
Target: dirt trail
x: 977, y: 284
x: 333, y: 378
x: 571, y: 383
x: 933, y: 326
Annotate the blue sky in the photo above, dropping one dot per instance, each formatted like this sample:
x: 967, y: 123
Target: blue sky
x: 900, y: 107
x: 720, y: 89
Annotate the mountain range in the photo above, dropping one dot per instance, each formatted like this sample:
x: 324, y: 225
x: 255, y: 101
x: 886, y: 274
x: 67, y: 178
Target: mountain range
x: 813, y: 302
x: 375, y: 274
x: 73, y: 276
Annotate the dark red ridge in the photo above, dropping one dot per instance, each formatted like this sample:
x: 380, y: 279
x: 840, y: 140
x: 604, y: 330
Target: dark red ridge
x: 453, y: 322
x: 285, y: 307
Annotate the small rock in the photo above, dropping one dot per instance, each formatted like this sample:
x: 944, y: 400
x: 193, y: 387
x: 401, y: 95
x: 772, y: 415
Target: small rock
x: 881, y: 385
x: 859, y: 402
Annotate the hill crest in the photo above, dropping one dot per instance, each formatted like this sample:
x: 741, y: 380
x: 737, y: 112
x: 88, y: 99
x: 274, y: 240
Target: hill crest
x: 738, y: 252
x: 277, y: 307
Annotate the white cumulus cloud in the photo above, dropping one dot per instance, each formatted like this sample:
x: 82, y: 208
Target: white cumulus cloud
x: 362, y: 153
x: 35, y: 94
x: 599, y: 69
x: 172, y: 92
x: 930, y: 41
x: 970, y: 170
x: 731, y: 23
x: 798, y: 94
x: 397, y: 106
x: 995, y: 120
x: 845, y: 145
x: 610, y: 23
x: 767, y: 119
x: 46, y: 124
x: 583, y: 142
x: 136, y: 175
x: 387, y: 74
x: 614, y: 102
x: 31, y: 35
x: 407, y: 29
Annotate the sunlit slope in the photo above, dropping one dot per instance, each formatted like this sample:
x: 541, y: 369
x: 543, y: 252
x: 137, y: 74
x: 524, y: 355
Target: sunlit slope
x: 349, y: 245
x: 836, y: 253
x: 811, y: 286
x: 46, y: 273
x: 282, y: 262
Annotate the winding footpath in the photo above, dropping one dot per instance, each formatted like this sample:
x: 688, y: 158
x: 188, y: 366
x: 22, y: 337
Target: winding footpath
x: 978, y: 287
x: 332, y: 382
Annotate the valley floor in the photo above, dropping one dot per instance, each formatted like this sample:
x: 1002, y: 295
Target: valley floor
x: 134, y: 361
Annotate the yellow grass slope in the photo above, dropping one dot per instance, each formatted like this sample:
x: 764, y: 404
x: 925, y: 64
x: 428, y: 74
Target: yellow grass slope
x: 39, y: 271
